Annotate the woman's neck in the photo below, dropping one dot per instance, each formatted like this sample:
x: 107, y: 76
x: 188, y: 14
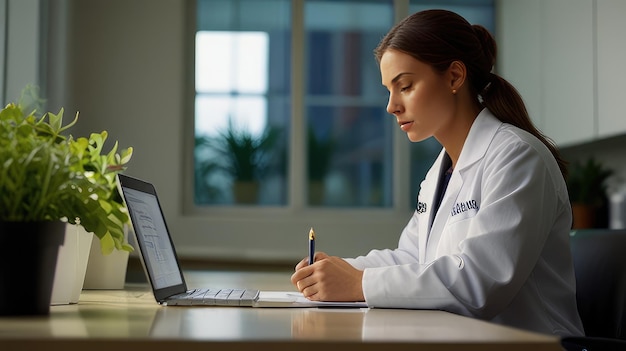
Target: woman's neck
x: 454, y: 136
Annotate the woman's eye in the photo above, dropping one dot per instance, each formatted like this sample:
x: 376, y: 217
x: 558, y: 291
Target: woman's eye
x: 405, y: 88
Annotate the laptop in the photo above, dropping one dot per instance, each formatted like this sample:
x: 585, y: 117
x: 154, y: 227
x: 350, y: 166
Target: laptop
x: 161, y: 266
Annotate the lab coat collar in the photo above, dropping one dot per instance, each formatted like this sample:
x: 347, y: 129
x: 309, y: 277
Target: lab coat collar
x: 478, y: 139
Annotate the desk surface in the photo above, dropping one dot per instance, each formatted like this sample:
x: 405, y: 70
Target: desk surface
x: 130, y: 319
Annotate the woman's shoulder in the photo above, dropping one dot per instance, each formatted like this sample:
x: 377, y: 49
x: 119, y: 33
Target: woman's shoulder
x: 508, y: 134
x: 513, y: 142
x: 489, y: 138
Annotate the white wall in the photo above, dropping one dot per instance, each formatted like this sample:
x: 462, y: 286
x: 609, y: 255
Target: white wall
x: 19, y: 47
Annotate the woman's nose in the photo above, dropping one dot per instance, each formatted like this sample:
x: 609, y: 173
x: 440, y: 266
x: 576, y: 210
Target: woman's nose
x: 392, y: 107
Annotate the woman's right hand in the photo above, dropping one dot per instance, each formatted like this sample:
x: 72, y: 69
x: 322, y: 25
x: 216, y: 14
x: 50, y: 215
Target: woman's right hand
x: 305, y: 261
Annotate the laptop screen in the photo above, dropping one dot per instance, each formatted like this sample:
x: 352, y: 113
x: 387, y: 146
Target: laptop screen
x: 151, y: 232
x: 155, y: 245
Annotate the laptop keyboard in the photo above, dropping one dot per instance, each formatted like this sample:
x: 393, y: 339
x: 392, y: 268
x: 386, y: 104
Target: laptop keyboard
x: 215, y: 297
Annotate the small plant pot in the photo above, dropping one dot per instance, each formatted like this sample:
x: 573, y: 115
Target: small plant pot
x: 246, y: 193
x: 71, y: 265
x: 316, y: 193
x: 106, y: 271
x: 27, y: 266
x: 584, y: 216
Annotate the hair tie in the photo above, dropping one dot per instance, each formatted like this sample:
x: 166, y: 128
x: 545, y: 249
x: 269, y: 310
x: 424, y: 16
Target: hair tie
x: 486, y: 90
x: 491, y: 77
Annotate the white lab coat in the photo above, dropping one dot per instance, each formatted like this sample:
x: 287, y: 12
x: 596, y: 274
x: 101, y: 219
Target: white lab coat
x: 498, y: 248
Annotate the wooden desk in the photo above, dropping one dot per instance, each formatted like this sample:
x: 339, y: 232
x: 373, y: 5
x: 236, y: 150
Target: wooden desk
x: 130, y: 319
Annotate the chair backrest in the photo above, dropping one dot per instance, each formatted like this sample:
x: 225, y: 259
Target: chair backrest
x: 600, y: 268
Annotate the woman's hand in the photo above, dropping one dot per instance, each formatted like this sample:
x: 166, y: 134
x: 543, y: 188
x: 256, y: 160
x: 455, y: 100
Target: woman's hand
x: 329, y: 278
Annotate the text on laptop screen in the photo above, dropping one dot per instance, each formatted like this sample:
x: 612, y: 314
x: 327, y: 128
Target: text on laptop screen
x: 153, y: 238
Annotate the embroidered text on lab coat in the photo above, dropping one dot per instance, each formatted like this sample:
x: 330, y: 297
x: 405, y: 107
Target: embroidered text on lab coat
x: 421, y: 207
x: 464, y: 206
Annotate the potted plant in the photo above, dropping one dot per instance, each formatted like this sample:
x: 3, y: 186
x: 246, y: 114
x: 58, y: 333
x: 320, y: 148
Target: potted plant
x: 587, y: 186
x: 320, y: 152
x: 48, y: 179
x: 243, y: 157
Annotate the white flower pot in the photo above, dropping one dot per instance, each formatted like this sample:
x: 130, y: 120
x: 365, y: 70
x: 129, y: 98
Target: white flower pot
x: 106, y: 271
x: 71, y: 265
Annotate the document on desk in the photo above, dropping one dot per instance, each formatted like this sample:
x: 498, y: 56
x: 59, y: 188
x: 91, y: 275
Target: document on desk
x: 296, y: 299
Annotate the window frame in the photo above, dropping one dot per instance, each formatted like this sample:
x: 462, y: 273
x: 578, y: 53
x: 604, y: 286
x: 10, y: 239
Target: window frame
x: 297, y: 198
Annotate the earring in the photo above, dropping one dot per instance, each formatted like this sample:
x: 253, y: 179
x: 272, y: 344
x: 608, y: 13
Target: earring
x: 454, y: 91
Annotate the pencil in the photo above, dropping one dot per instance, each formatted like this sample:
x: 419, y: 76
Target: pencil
x: 311, y: 246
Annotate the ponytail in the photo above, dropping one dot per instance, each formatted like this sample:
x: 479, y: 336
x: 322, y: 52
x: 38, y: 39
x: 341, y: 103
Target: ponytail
x: 505, y: 102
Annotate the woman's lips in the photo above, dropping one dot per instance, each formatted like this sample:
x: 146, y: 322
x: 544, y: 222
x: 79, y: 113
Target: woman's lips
x: 405, y: 126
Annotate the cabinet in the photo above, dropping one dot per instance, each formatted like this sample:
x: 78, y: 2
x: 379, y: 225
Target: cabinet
x: 564, y: 58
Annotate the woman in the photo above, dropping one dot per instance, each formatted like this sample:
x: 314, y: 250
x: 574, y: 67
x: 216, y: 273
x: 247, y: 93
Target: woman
x: 490, y: 235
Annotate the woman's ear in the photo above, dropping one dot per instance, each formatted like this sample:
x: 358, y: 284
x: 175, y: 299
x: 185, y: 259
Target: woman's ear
x: 457, y: 73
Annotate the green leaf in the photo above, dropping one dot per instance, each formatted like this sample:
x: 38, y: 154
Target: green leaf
x: 107, y: 244
x: 56, y: 121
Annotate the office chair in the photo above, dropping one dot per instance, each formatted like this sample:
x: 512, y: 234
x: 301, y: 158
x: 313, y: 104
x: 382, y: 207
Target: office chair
x: 600, y: 267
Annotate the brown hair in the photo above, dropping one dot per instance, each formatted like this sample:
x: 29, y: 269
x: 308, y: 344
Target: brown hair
x: 439, y: 37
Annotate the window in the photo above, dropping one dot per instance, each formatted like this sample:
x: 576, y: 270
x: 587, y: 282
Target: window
x: 242, y: 102
x: 349, y: 134
x: 289, y: 109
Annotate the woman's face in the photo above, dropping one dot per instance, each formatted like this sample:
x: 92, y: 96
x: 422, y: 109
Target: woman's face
x: 420, y: 98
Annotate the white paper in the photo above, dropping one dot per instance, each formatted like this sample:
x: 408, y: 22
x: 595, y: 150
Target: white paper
x: 296, y: 299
